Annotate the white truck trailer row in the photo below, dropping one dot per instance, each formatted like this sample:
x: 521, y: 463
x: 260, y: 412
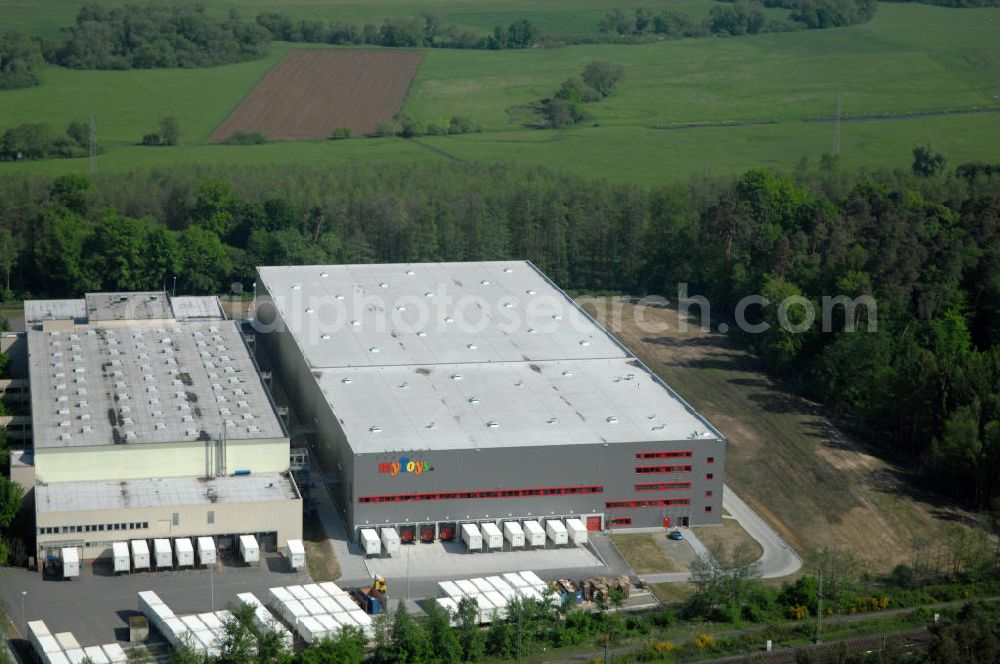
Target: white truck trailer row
x: 63, y: 648
x: 318, y: 610
x: 492, y: 594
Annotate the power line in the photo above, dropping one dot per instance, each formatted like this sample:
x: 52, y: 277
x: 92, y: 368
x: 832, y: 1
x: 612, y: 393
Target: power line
x: 836, y: 129
x: 93, y: 146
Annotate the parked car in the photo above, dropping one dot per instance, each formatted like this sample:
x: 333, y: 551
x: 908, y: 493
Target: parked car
x: 676, y: 535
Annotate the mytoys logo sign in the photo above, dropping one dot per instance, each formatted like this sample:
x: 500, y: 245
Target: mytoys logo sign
x: 403, y: 466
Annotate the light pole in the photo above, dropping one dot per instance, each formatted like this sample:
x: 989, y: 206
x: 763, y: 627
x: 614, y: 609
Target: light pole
x: 173, y: 291
x: 211, y: 578
x: 24, y: 613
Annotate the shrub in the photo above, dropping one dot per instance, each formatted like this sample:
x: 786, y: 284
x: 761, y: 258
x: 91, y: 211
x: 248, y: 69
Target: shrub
x: 384, y: 129
x: 247, y: 138
x: 341, y: 133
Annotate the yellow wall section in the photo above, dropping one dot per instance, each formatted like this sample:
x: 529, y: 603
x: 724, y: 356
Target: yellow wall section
x: 123, y: 462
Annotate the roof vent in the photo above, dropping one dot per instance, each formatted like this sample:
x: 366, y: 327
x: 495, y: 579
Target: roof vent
x: 374, y: 429
x: 382, y: 284
x: 310, y: 310
x: 410, y: 273
x: 428, y: 294
x: 508, y: 270
x: 567, y: 373
x: 355, y: 323
x: 530, y: 291
x: 456, y: 376
x: 485, y: 282
x: 400, y: 308
x: 472, y: 346
x: 346, y: 381
x: 612, y: 419
x: 324, y: 275
x: 449, y: 319
x: 473, y: 400
x: 508, y: 305
x: 492, y: 424
x: 584, y: 342
x: 338, y: 296
x: 421, y: 333
x: 373, y: 349
x: 324, y: 337
x: 296, y: 286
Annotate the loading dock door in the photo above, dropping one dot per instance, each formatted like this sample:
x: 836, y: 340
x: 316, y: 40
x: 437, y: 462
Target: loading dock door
x: 666, y: 522
x: 593, y: 523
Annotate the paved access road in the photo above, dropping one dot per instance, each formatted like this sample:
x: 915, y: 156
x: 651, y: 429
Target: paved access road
x: 778, y: 559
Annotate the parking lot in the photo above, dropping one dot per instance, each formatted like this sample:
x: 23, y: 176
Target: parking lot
x: 96, y: 606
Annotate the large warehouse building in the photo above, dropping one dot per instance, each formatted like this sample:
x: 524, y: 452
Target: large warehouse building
x: 150, y: 420
x: 475, y: 392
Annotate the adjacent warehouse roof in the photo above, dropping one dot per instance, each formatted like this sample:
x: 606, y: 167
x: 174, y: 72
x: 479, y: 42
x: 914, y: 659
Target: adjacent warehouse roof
x: 82, y: 496
x: 459, y: 355
x: 148, y: 380
x: 431, y: 313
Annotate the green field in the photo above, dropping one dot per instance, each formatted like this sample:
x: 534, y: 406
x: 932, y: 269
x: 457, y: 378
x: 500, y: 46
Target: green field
x: 690, y: 107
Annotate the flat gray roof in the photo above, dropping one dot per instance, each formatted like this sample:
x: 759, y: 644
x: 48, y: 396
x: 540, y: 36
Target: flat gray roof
x: 159, y: 492
x: 431, y: 313
x: 197, y: 307
x: 515, y: 404
x: 145, y: 305
x: 468, y: 355
x: 145, y: 382
x: 36, y: 311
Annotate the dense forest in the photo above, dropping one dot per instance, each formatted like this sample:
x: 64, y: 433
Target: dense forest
x: 924, y: 387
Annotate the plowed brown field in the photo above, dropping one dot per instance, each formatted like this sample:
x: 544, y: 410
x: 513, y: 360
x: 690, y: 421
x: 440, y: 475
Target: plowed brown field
x: 311, y: 93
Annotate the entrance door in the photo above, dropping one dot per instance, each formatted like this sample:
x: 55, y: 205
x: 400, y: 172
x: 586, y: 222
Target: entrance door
x: 593, y: 523
x: 666, y: 522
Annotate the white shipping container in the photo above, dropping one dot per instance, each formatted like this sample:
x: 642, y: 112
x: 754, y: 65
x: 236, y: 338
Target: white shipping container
x: 193, y: 623
x: 329, y: 604
x: 280, y: 595
x: 96, y: 655
x: 370, y: 542
x: 66, y: 640
x: 37, y: 628
x: 312, y: 607
x: 70, y: 562
x: 295, y: 551
x: 299, y: 593
x: 211, y: 621
x: 449, y: 605
x: 330, y: 626
x: 332, y: 589
x: 515, y: 580
x: 114, y: 653
x: 346, y: 603
x: 577, y: 531
x: 467, y: 587
x: 293, y: 610
x: 472, y: 537
x: 184, y: 551
x: 513, y: 533
x: 47, y: 643
x: 556, y: 531
x: 309, y: 629
x: 162, y: 553
x: 173, y: 629
x: 448, y: 589
x: 390, y: 540
x: 120, y: 557
x: 75, y: 656
x: 482, y: 585
x: 492, y: 537
x: 249, y: 549
x: 534, y: 534
x: 533, y: 579
x: 58, y: 657
x: 314, y: 590
x: 140, y: 554
x: 206, y: 551
x: 498, y: 601
x: 498, y: 583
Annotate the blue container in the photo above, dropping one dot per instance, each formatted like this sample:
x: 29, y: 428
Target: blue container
x: 241, y: 472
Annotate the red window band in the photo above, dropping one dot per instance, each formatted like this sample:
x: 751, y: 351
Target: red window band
x: 474, y: 495
x: 625, y: 504
x: 663, y: 486
x: 641, y: 470
x: 621, y: 521
x: 673, y: 454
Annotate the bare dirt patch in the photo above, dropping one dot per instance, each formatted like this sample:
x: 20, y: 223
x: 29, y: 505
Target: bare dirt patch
x: 816, y: 485
x: 320, y: 556
x: 649, y: 553
x: 311, y: 93
x: 729, y: 537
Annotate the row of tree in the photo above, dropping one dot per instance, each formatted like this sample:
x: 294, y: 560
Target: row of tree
x: 429, y: 30
x: 20, y: 57
x: 741, y: 17
x: 922, y: 383
x: 39, y: 141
